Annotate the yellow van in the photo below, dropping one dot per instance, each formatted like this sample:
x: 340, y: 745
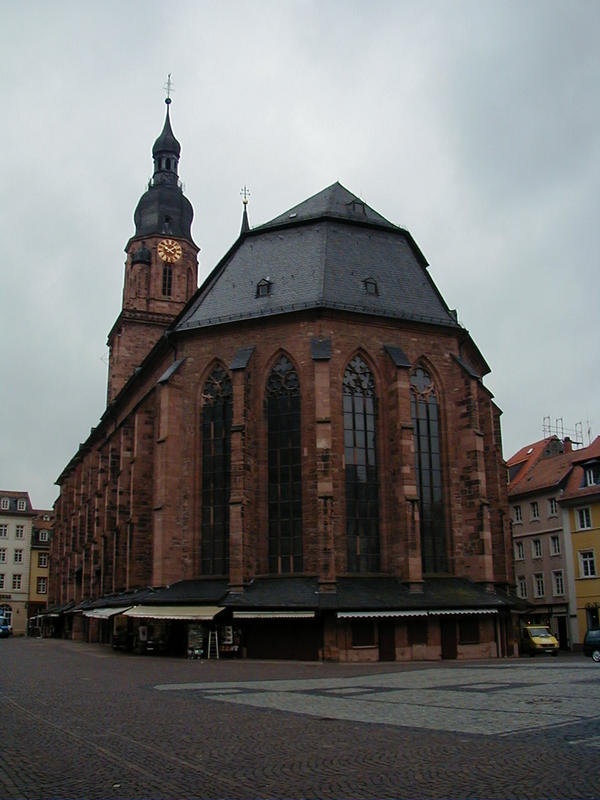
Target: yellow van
x: 538, y: 639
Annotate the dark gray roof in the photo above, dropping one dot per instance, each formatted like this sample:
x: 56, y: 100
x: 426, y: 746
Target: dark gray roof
x: 164, y: 209
x: 365, y: 594
x: 190, y: 592
x: 321, y: 258
x: 334, y: 202
x: 166, y: 142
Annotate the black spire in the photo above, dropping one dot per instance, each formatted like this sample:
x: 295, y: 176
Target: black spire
x: 165, y: 153
x: 245, y: 224
x: 164, y: 209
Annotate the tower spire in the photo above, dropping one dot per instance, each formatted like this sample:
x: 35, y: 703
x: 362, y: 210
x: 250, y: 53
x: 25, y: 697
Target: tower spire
x: 164, y: 208
x: 245, y: 193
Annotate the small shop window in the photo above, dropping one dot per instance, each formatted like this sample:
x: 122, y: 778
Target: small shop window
x: 417, y: 630
x: 363, y: 633
x: 468, y: 630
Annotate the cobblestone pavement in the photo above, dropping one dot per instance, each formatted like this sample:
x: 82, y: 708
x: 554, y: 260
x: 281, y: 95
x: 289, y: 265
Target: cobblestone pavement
x: 81, y: 721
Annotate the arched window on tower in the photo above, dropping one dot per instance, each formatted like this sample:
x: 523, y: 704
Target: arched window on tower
x: 428, y: 467
x: 167, y: 280
x: 362, y: 483
x: 216, y: 472
x: 284, y: 469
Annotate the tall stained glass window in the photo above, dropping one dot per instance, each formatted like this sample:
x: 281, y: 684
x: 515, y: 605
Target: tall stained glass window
x: 216, y: 472
x: 362, y: 484
x: 428, y: 465
x: 284, y: 469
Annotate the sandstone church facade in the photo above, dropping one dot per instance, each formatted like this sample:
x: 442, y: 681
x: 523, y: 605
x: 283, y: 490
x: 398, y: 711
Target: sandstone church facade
x: 302, y: 449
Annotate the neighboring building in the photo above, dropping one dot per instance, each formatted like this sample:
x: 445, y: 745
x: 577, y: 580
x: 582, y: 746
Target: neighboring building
x: 537, y: 476
x: 581, y: 519
x: 39, y: 566
x: 303, y: 449
x: 16, y: 524
x: 554, y: 494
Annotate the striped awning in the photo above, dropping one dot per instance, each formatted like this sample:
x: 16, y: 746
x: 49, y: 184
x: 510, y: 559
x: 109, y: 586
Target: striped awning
x: 453, y: 611
x: 371, y: 614
x: 413, y: 613
x: 104, y: 613
x: 191, y: 613
x: 273, y: 614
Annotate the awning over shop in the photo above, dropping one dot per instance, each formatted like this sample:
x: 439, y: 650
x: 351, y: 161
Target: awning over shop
x: 371, y: 614
x: 104, y: 613
x: 273, y: 614
x: 443, y: 611
x: 411, y: 613
x: 190, y: 613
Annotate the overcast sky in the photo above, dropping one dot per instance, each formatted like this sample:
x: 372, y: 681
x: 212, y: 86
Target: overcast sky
x: 475, y: 125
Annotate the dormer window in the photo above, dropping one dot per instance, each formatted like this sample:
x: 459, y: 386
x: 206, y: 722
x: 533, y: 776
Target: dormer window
x: 370, y: 285
x: 21, y: 505
x: 591, y: 475
x: 4, y: 504
x: 263, y: 288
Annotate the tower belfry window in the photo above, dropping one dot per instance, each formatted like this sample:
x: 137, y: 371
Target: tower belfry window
x: 167, y: 280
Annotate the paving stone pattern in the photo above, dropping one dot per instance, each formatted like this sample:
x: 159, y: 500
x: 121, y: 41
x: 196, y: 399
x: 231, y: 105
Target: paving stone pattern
x: 81, y: 721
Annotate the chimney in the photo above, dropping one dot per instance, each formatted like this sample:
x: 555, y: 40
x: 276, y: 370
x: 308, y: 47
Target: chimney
x: 568, y: 444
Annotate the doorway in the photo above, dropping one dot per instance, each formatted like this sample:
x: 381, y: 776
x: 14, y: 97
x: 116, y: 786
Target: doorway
x: 387, y: 640
x: 448, y: 637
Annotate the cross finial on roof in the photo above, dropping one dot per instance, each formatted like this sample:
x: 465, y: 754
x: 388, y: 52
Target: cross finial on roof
x: 245, y: 193
x: 169, y: 88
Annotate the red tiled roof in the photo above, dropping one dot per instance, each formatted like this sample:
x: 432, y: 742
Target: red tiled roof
x: 545, y: 474
x: 527, y: 456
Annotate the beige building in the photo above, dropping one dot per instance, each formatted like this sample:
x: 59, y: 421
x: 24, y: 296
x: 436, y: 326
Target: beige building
x: 538, y: 473
x: 39, y: 566
x: 16, y: 526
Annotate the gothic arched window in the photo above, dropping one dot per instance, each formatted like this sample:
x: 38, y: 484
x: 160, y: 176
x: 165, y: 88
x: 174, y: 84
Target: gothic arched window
x: 216, y: 472
x: 362, y: 483
x: 284, y: 468
x: 428, y: 466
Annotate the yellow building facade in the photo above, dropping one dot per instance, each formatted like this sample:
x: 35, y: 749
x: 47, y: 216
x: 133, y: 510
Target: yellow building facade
x: 581, y: 517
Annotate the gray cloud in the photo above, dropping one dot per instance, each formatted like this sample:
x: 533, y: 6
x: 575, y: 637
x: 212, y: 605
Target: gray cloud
x: 473, y: 124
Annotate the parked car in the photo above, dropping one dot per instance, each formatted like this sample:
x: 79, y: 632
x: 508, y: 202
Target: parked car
x: 591, y: 644
x: 5, y: 628
x: 538, y: 639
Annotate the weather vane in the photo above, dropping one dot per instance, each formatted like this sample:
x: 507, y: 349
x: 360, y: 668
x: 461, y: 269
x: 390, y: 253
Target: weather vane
x: 169, y: 88
x: 245, y: 193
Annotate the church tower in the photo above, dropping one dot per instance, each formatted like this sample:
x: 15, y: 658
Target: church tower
x: 161, y: 269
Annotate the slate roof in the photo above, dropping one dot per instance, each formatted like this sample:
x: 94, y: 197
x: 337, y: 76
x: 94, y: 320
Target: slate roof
x: 365, y: 594
x: 190, y: 592
x: 319, y: 255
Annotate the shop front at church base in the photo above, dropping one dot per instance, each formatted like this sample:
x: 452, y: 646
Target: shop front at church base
x: 358, y: 620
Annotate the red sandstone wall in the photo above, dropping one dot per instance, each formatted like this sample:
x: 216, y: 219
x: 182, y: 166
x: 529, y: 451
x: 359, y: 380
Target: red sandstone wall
x: 139, y: 501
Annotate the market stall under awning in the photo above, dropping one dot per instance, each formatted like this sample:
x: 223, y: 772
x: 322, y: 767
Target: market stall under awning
x: 190, y: 613
x: 104, y: 613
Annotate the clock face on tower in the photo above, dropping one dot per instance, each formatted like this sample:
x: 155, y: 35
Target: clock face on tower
x: 169, y: 250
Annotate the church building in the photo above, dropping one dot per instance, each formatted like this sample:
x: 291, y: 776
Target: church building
x: 299, y: 459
